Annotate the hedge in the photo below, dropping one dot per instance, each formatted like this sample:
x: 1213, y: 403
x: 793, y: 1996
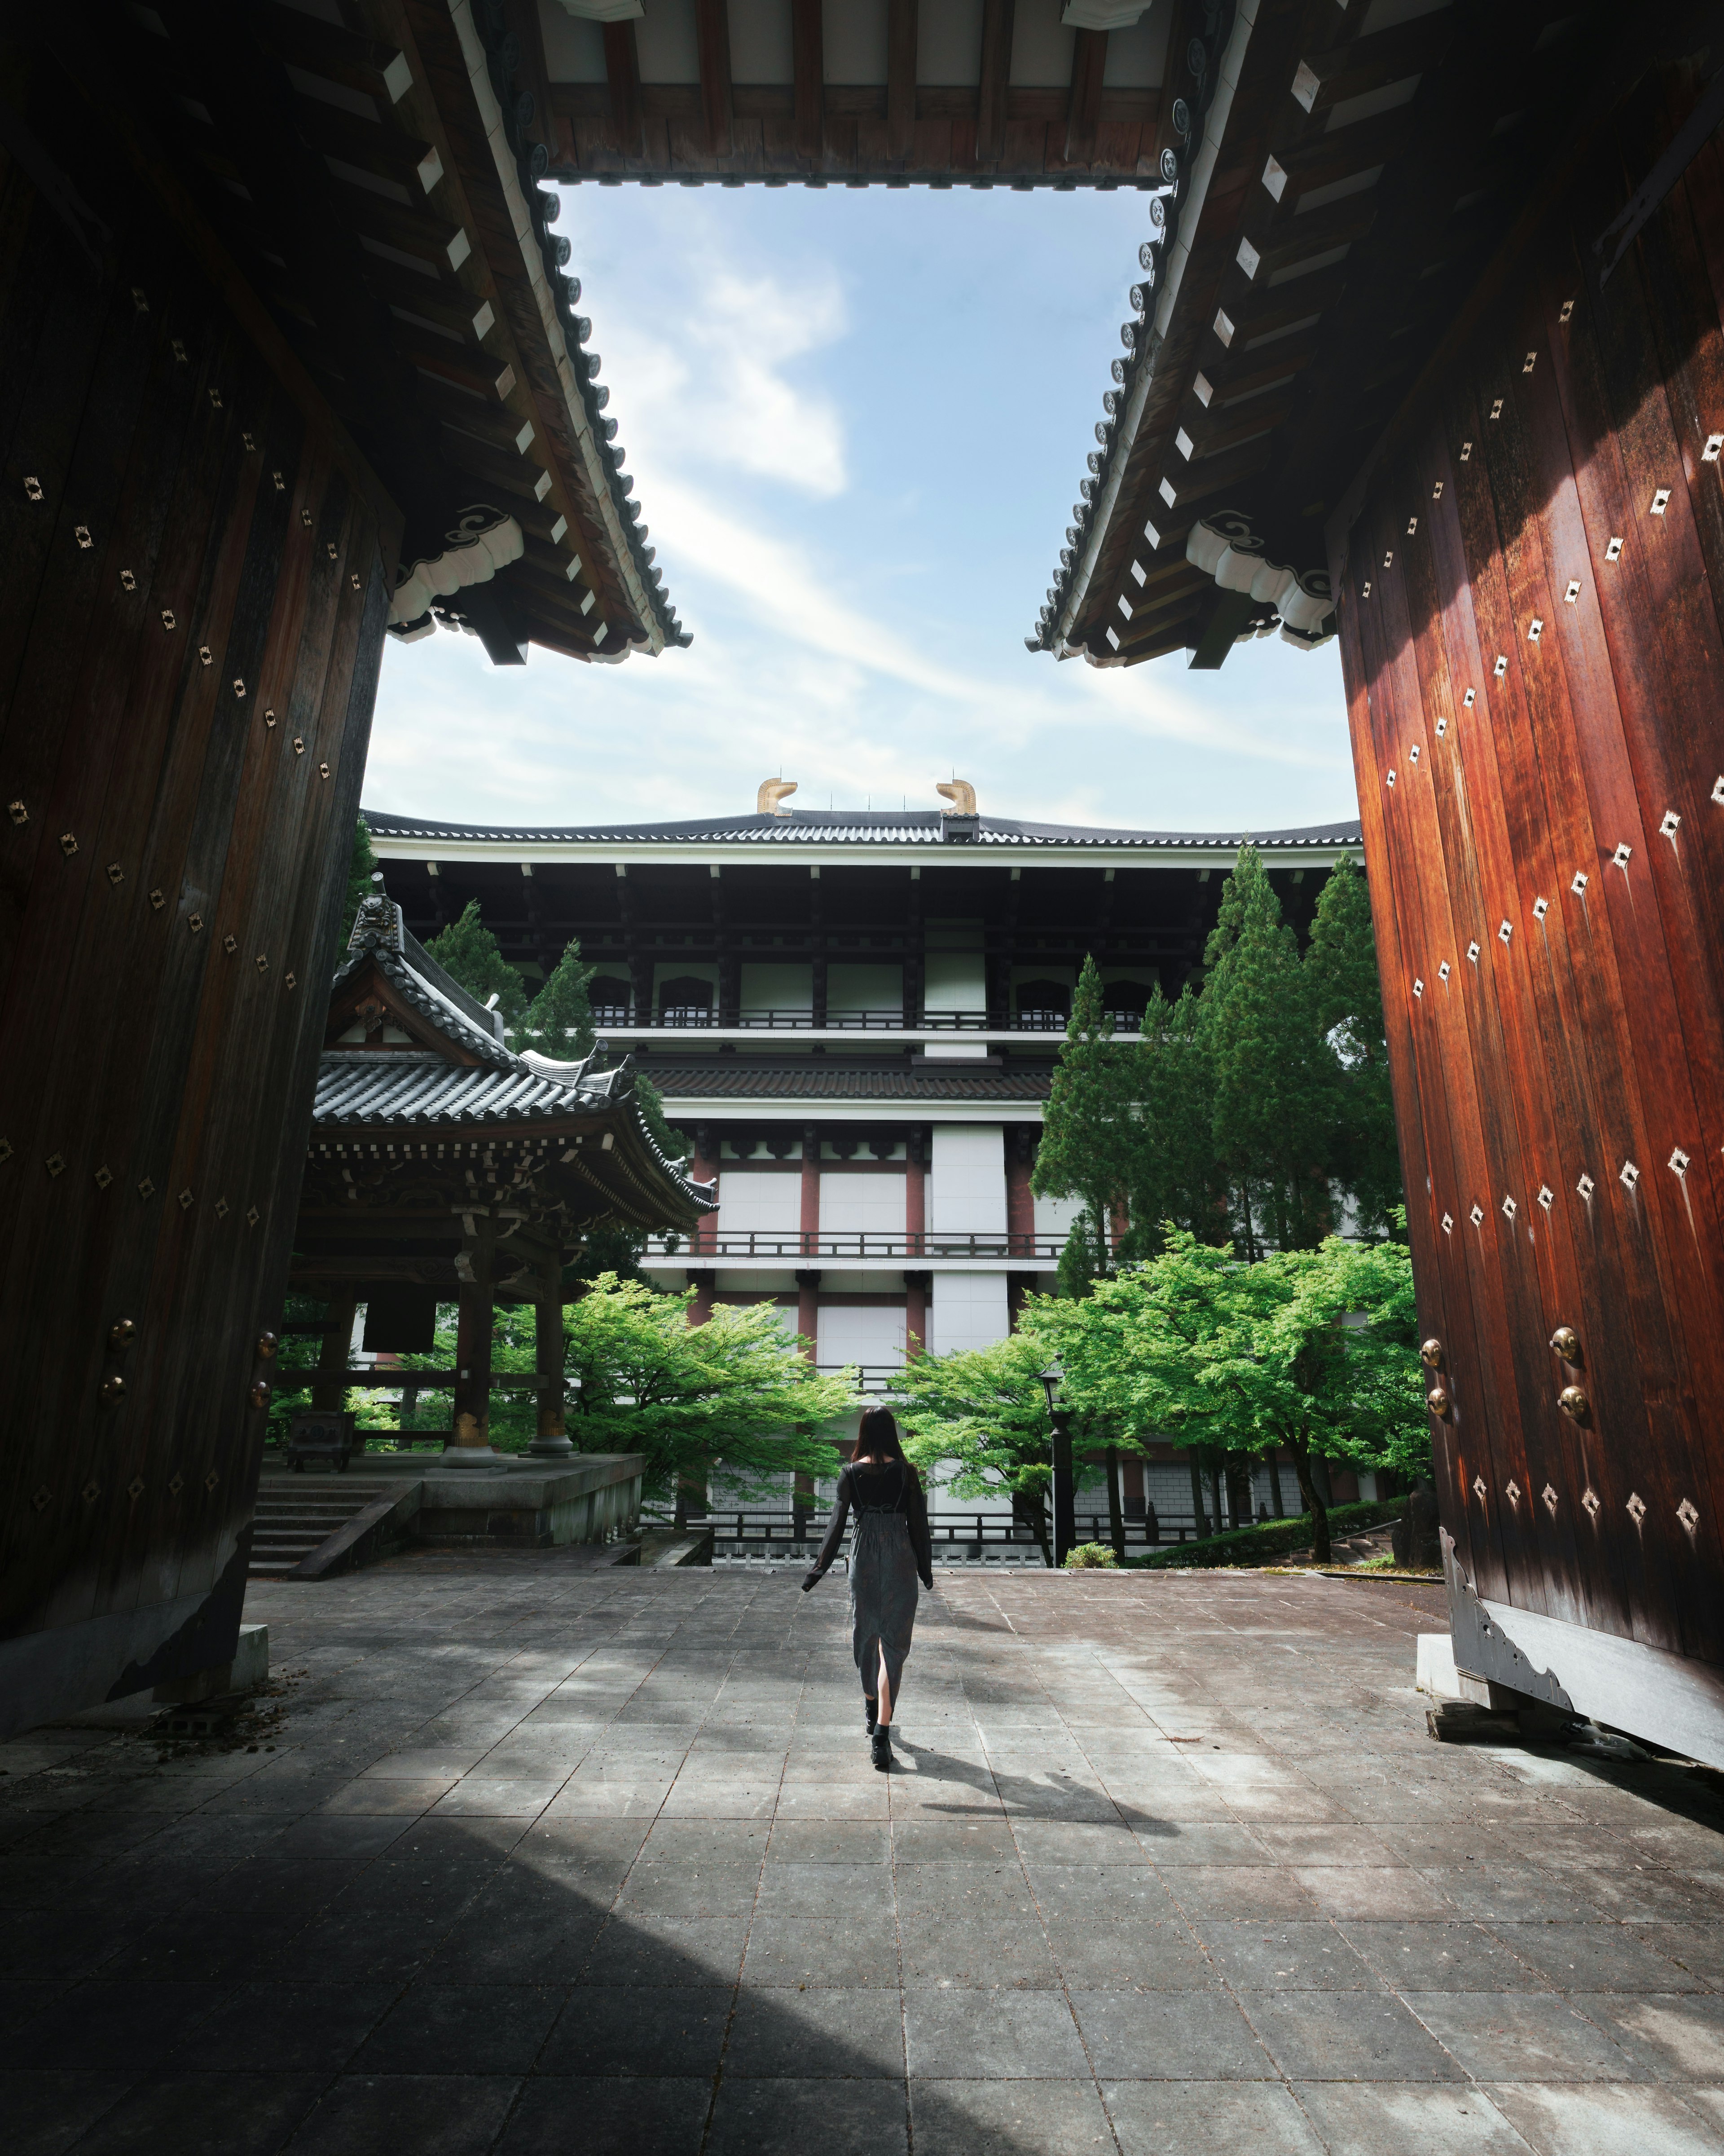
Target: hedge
x: 1269, y: 1538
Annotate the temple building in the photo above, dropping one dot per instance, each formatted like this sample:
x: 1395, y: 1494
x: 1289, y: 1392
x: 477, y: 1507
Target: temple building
x: 854, y: 1017
x: 443, y: 1167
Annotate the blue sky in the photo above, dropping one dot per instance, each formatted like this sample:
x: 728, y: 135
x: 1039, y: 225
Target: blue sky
x: 856, y: 421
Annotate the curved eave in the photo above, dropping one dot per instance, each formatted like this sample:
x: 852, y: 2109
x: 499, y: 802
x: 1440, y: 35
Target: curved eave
x: 625, y: 536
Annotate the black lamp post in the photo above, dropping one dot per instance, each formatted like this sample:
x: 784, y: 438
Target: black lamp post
x: 1065, y: 1496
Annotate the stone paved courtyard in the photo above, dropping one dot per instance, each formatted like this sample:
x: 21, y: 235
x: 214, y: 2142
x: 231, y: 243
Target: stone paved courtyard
x: 549, y: 1858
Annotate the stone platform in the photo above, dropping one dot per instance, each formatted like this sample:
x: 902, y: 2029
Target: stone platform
x: 552, y: 1859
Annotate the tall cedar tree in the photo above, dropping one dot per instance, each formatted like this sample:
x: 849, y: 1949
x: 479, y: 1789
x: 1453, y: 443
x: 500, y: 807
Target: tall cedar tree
x: 1269, y: 1070
x: 361, y: 869
x: 1173, y: 1176
x: 468, y: 952
x: 1087, y: 1139
x: 559, y: 1020
x: 1347, y: 994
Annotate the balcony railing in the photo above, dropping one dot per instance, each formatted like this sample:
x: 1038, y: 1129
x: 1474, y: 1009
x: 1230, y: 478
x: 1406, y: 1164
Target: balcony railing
x: 709, y: 1243
x: 682, y: 1018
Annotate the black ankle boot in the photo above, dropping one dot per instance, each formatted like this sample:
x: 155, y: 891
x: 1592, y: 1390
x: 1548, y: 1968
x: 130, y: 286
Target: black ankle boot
x: 882, y: 1750
x: 870, y: 1708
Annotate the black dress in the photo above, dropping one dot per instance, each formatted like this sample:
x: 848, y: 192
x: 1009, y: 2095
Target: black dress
x: 891, y: 1547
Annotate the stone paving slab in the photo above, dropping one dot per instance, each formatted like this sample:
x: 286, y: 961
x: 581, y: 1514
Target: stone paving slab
x: 542, y: 1859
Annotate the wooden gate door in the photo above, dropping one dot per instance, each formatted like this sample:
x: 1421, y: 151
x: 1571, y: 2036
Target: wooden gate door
x: 192, y: 612
x: 1529, y: 581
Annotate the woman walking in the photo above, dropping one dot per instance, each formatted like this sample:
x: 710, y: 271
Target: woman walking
x: 891, y: 1547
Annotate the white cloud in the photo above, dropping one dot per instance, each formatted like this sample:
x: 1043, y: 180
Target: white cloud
x: 699, y: 359
x: 857, y: 567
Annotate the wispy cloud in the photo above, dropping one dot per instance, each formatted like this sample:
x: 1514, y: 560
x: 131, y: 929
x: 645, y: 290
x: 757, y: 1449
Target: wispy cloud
x: 850, y: 504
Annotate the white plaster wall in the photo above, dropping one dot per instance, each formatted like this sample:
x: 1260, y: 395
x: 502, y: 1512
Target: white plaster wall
x: 967, y: 1310
x: 758, y: 1204
x: 878, y: 988
x: 1054, y: 1216
x: 861, y: 1204
x: 967, y: 1181
x: 872, y: 1335
x: 954, y: 981
x: 777, y: 987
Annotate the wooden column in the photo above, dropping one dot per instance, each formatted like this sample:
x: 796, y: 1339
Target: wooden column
x: 1020, y: 1199
x: 1529, y: 579
x: 475, y: 1310
x: 151, y: 1165
x: 915, y: 1311
x: 703, y: 1168
x: 328, y: 1394
x: 997, y: 18
x: 552, y: 1440
x: 712, y: 32
x: 810, y: 1216
x: 900, y: 79
x: 809, y: 70
x: 915, y: 1194
x: 700, y: 1309
x: 808, y: 1311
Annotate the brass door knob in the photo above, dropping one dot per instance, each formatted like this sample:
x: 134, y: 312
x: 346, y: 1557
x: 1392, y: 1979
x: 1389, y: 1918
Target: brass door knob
x: 1439, y: 1404
x: 260, y: 1392
x: 113, y: 1391
x: 120, y: 1335
x: 1431, y: 1354
x: 1565, y: 1341
x: 1574, y: 1403
x: 267, y: 1345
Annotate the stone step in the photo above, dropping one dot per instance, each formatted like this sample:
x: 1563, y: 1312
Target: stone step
x: 292, y: 1521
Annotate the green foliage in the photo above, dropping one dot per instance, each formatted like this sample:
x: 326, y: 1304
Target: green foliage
x: 674, y: 1143
x: 1268, y: 1072
x: 737, y: 1392
x: 559, y: 1020
x: 1268, y: 1538
x: 468, y: 952
x: 1309, y: 1350
x: 986, y: 1410
x: 1241, y: 1107
x: 361, y: 867
x: 1087, y: 1132
x: 1175, y: 1175
x: 1346, y: 995
x: 1091, y: 1556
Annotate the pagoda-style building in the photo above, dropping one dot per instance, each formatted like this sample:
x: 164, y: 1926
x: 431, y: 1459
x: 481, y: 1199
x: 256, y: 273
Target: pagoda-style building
x: 444, y: 1168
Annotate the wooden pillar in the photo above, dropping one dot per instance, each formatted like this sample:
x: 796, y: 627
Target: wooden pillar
x: 1020, y: 1199
x: 552, y: 1440
x: 810, y: 1216
x: 915, y: 1311
x: 328, y: 1395
x: 1132, y: 1477
x: 704, y: 1168
x: 475, y: 1310
x: 915, y: 1194
x: 700, y: 1309
x: 808, y: 1311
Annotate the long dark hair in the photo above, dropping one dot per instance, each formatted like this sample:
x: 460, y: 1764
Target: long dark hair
x: 878, y: 1440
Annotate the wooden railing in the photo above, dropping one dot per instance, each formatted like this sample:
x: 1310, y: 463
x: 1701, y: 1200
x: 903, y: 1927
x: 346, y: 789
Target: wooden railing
x: 708, y: 1242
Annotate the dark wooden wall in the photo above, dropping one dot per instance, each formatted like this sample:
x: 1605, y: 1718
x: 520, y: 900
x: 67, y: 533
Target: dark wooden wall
x: 194, y: 576
x: 1532, y: 704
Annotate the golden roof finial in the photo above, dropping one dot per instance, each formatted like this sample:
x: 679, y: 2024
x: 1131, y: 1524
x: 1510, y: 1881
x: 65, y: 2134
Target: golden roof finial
x: 771, y: 792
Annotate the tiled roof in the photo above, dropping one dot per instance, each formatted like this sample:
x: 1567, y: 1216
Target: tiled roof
x: 846, y: 827
x: 396, y: 1088
x: 359, y: 1085
x: 812, y: 1082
